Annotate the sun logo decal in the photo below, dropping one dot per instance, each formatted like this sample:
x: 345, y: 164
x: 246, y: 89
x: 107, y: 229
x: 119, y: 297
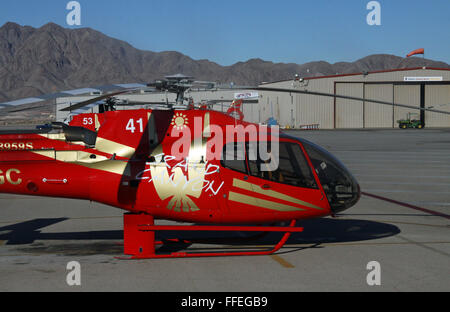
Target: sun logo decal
x: 180, y: 121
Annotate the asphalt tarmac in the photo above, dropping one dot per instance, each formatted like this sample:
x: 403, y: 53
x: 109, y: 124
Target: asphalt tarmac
x: 402, y: 222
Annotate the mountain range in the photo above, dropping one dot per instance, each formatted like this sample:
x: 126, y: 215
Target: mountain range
x: 36, y: 61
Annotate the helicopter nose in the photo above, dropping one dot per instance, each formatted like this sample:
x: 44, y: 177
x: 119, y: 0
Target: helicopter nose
x: 344, y: 196
x: 340, y: 186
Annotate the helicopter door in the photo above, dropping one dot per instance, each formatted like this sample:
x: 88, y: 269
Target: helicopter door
x: 235, y: 174
x: 286, y: 182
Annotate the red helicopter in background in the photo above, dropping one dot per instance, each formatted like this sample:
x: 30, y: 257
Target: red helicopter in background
x: 181, y: 165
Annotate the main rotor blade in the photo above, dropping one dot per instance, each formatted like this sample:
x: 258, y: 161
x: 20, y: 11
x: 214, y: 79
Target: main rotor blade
x: 93, y: 100
x: 348, y: 98
x: 133, y: 103
x: 25, y: 109
x: 439, y: 105
x: 67, y: 93
x: 230, y: 101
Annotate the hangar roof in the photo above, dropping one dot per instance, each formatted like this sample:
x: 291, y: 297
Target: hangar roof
x: 363, y: 73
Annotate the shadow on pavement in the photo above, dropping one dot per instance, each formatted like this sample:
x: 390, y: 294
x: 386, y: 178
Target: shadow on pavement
x: 317, y: 232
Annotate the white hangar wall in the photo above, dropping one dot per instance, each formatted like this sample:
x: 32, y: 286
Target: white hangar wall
x: 390, y: 86
x: 299, y: 110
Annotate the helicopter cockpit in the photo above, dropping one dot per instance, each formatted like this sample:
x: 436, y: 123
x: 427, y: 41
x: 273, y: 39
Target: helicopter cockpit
x: 288, y: 165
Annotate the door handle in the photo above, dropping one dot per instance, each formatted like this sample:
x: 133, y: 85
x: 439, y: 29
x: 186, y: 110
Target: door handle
x: 265, y: 186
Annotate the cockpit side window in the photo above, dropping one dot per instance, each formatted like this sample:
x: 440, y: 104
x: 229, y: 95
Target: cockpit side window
x: 292, y: 169
x: 233, y: 157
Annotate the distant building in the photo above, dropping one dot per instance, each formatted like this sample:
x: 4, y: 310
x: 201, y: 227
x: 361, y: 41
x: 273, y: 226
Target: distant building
x: 420, y: 87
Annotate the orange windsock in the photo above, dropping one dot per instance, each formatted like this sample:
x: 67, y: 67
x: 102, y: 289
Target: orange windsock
x: 418, y: 51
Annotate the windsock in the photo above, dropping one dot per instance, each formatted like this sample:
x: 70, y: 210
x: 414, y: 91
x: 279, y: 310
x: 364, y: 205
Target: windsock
x: 418, y: 51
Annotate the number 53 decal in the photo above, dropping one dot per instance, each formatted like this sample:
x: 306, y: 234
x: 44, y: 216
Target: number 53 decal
x: 88, y: 121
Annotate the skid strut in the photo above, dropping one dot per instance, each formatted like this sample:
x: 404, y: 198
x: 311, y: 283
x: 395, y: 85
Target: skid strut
x: 139, y: 237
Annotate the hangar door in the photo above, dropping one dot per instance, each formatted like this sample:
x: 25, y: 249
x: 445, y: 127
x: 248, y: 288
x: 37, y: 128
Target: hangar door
x: 407, y: 95
x: 378, y: 115
x: 251, y: 112
x: 437, y: 97
x: 349, y: 113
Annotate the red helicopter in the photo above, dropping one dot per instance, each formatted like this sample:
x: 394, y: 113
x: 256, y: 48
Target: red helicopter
x: 181, y: 165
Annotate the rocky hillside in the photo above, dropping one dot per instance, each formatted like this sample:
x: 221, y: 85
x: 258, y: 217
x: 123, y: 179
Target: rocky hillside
x: 35, y: 61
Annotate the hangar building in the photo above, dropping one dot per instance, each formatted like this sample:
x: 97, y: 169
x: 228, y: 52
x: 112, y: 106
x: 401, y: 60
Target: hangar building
x: 421, y: 87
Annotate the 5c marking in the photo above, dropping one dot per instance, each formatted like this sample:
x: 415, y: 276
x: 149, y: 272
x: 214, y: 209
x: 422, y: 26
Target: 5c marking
x: 15, y: 146
x: 8, y: 178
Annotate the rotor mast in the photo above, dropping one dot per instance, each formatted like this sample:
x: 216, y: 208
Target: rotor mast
x: 177, y: 84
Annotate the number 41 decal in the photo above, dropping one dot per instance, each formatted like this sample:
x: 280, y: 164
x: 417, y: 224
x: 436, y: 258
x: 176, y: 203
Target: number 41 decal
x: 131, y: 125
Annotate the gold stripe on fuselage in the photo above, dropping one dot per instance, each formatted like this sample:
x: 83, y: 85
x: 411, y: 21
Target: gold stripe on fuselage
x: 257, y: 189
x: 250, y: 200
x: 84, y: 159
x: 70, y: 156
x: 110, y: 147
x: 54, y: 136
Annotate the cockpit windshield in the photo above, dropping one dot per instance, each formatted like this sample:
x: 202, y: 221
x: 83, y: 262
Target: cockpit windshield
x: 340, y: 186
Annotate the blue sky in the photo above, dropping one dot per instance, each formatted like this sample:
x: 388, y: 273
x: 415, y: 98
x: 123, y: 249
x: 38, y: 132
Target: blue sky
x: 230, y: 31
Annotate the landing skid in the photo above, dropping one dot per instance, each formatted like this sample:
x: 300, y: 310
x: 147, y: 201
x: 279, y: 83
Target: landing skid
x: 140, y: 229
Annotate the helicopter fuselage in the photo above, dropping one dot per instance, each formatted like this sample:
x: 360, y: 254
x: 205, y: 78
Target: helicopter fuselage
x: 174, y: 165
